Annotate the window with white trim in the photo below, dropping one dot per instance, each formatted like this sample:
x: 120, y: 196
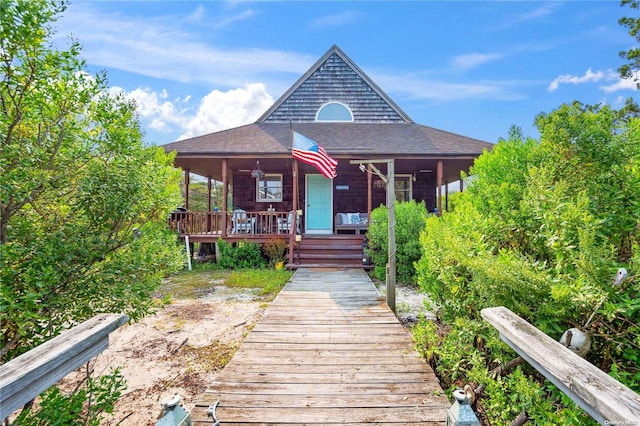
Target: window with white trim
x: 269, y: 188
x: 403, y: 188
x: 334, y: 111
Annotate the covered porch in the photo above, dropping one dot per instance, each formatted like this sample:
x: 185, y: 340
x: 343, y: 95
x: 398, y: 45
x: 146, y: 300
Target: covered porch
x: 248, y: 212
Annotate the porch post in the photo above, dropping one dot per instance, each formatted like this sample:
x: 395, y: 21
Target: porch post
x: 369, y: 194
x: 391, y: 235
x: 293, y: 226
x: 208, y: 203
x: 439, y: 184
x: 446, y: 196
x: 208, y: 193
x: 187, y: 174
x: 461, y: 185
x: 225, y: 192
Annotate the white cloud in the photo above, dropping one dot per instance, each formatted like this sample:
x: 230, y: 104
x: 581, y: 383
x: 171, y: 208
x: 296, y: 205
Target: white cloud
x: 417, y: 87
x: 593, y: 77
x: 533, y: 15
x: 623, y: 84
x: 166, y: 47
x: 588, y: 77
x: 336, y: 20
x: 473, y: 60
x: 223, y: 110
x: 217, y: 110
x: 198, y: 14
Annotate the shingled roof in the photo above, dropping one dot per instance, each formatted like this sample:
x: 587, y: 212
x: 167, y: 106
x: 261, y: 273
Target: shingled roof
x: 380, y: 127
x: 342, y: 140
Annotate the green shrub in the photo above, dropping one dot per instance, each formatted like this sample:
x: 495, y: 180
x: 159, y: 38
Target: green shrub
x: 84, y: 406
x: 243, y: 255
x: 275, y: 249
x: 542, y: 229
x: 410, y: 218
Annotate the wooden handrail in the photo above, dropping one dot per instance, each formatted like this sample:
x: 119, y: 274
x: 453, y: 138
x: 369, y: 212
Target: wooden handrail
x: 604, y: 398
x: 28, y: 375
x: 192, y: 222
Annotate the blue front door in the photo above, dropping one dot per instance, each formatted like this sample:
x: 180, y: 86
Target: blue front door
x: 319, y: 205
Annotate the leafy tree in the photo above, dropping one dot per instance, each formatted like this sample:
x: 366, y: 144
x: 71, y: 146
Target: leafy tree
x: 83, y: 202
x: 198, y: 193
x: 632, y: 55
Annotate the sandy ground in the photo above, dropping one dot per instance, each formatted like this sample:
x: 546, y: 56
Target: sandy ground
x: 182, y: 347
x: 178, y: 350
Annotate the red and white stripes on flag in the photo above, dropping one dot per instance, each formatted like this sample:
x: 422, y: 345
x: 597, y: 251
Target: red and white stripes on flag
x: 310, y: 152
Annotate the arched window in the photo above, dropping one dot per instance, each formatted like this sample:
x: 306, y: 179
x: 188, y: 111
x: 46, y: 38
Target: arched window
x: 334, y: 111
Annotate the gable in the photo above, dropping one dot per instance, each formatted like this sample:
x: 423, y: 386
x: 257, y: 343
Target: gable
x: 335, y: 78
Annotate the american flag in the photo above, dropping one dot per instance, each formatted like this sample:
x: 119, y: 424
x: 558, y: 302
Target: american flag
x: 310, y: 152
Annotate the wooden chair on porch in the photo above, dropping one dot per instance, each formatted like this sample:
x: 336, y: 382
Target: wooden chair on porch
x: 284, y: 224
x: 242, y: 224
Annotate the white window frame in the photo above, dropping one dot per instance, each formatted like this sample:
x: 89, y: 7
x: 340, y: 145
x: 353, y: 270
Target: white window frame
x: 409, y: 179
x: 335, y: 121
x: 269, y: 200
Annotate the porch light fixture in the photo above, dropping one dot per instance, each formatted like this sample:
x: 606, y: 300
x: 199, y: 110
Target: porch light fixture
x: 256, y: 172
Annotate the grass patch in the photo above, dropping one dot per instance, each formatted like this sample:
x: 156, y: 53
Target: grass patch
x: 270, y: 281
x: 208, y: 358
x: 192, y: 284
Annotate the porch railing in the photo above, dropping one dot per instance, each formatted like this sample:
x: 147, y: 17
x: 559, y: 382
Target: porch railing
x: 238, y: 222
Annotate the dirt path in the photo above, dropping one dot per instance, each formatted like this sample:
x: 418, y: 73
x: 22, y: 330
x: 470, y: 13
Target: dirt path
x: 178, y: 350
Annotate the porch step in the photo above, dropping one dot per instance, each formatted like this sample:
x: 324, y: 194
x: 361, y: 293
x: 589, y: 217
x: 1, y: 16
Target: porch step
x: 343, y: 251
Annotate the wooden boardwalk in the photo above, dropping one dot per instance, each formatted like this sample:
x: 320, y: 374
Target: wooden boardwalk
x: 328, y: 350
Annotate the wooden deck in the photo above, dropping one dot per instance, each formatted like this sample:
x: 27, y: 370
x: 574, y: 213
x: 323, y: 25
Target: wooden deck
x: 328, y: 350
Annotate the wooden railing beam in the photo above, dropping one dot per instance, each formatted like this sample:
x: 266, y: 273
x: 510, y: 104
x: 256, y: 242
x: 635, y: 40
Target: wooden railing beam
x: 604, y: 398
x: 27, y: 376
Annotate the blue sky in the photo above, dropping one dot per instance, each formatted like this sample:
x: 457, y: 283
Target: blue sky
x: 473, y: 68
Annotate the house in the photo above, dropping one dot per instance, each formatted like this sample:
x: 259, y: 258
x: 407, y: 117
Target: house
x: 337, y: 105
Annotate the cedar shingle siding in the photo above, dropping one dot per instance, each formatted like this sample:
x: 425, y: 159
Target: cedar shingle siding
x: 334, y: 80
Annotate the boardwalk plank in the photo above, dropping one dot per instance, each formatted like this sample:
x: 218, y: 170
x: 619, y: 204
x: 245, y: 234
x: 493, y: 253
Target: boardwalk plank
x: 364, y: 390
x: 323, y: 415
x: 317, y: 401
x: 398, y: 348
x: 319, y: 378
x: 328, y: 350
x: 337, y: 366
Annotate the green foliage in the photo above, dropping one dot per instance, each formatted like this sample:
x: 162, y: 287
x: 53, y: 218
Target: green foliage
x: 632, y: 55
x: 83, y: 406
x: 76, y: 182
x: 240, y: 256
x: 270, y: 281
x: 542, y: 229
x: 83, y: 202
x: 410, y: 218
x: 198, y: 193
x: 467, y: 351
